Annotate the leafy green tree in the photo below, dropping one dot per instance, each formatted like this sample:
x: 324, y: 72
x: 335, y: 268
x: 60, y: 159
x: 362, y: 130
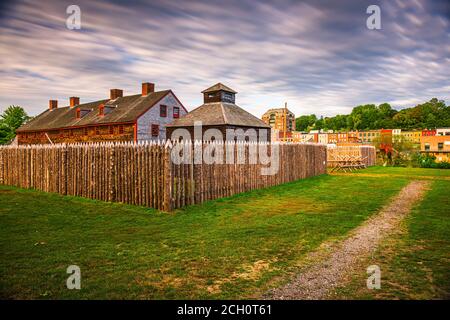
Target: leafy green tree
x: 4, y: 134
x: 304, y: 123
x: 431, y: 114
x: 10, y: 120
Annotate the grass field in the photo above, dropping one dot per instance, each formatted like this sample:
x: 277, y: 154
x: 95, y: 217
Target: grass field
x: 415, y: 173
x: 228, y: 248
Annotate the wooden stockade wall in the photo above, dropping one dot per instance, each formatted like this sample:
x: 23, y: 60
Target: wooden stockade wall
x: 143, y: 174
x: 367, y: 153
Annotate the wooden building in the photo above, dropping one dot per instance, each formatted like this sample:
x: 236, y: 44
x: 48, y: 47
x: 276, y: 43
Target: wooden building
x: 220, y: 112
x: 120, y: 118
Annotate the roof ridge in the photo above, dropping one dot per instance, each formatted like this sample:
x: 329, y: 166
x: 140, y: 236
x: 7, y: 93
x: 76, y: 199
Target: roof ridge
x: 219, y: 86
x: 129, y: 108
x: 225, y: 120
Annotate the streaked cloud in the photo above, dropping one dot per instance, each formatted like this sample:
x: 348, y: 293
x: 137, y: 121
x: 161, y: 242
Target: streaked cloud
x: 316, y: 55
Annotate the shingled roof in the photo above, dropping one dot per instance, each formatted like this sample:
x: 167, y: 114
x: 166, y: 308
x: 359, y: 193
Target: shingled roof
x: 124, y: 110
x: 219, y: 113
x: 217, y: 87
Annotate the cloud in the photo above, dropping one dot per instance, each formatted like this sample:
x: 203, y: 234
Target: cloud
x: 317, y: 56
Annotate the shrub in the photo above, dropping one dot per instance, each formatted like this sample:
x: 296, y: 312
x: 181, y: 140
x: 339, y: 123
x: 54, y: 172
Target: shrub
x: 429, y: 161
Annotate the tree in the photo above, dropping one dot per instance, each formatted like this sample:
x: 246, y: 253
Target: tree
x: 431, y: 114
x: 4, y: 134
x: 304, y: 123
x: 10, y: 120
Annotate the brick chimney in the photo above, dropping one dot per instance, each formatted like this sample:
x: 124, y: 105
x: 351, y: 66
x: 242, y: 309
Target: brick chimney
x: 74, y: 101
x: 147, y: 88
x: 116, y: 93
x: 52, y: 104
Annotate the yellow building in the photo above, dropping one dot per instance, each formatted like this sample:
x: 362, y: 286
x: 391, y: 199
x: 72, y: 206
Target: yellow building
x: 368, y: 136
x: 438, y: 146
x: 411, y: 136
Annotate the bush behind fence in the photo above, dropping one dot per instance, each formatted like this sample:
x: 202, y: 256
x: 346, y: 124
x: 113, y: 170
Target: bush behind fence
x: 143, y: 174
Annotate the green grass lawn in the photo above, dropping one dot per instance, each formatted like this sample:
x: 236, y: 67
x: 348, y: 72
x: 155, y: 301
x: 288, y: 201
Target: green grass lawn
x: 415, y: 263
x: 229, y: 248
x: 406, y: 172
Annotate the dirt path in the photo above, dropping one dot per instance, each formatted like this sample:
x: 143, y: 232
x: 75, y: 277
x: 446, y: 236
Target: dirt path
x: 316, y: 281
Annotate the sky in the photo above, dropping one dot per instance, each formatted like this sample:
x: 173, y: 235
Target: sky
x: 318, y: 56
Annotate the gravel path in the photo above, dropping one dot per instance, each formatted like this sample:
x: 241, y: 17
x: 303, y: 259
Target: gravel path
x: 316, y: 281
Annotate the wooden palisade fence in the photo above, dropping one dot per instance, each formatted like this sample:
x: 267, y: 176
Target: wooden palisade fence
x: 144, y: 174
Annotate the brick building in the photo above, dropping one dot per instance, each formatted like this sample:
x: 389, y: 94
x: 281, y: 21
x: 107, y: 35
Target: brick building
x: 280, y: 119
x: 137, y: 117
x: 220, y: 112
x: 428, y: 132
x: 438, y: 146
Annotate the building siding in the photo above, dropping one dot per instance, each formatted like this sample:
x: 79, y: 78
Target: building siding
x: 152, y: 116
x: 103, y: 133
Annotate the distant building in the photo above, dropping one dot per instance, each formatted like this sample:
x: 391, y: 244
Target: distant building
x: 304, y: 137
x: 428, y: 132
x: 353, y: 137
x: 386, y: 140
x: 438, y: 146
x: 411, y: 136
x: 368, y: 136
x: 220, y: 112
x: 137, y: 117
x: 443, y: 132
x: 323, y: 138
x: 280, y: 119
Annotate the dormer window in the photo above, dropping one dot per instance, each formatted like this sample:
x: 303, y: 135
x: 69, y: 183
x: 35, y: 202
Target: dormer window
x: 80, y: 113
x: 101, y: 110
x: 108, y: 108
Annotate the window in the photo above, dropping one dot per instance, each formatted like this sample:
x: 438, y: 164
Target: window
x: 155, y: 130
x: 427, y: 146
x: 97, y: 130
x: 120, y: 129
x: 85, y: 131
x: 163, y: 111
x: 227, y: 97
x: 111, y: 130
x: 440, y: 145
x: 176, y: 112
x: 80, y: 113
